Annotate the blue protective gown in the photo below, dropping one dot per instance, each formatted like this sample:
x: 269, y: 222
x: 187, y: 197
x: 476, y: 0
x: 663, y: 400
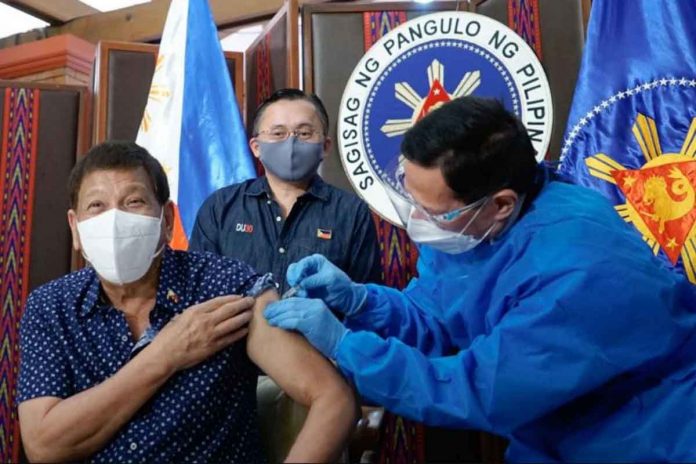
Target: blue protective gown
x: 567, y: 336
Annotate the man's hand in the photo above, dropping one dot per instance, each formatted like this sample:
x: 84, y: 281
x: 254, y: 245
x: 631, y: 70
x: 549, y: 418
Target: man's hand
x: 317, y: 277
x: 310, y: 317
x: 74, y: 428
x: 204, y: 329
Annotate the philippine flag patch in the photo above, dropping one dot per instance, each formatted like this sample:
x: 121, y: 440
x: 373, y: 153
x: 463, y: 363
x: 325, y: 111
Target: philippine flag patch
x: 324, y: 234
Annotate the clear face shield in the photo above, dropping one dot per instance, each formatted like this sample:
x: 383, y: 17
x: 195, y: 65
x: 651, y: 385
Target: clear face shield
x: 405, y: 204
x: 439, y: 230
x: 397, y: 194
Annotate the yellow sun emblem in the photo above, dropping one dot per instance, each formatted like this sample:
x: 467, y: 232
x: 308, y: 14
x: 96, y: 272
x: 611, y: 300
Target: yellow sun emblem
x: 157, y: 94
x: 437, y: 96
x: 661, y: 195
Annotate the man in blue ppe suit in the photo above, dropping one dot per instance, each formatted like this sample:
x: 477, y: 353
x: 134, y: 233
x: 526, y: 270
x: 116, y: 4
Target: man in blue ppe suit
x: 538, y: 314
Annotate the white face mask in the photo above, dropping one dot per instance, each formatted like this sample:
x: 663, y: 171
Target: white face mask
x: 120, y: 246
x: 425, y: 232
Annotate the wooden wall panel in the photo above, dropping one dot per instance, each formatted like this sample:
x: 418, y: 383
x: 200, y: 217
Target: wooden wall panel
x: 122, y: 82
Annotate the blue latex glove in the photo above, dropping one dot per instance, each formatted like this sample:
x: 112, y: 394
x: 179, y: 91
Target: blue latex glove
x: 318, y: 277
x: 311, y: 318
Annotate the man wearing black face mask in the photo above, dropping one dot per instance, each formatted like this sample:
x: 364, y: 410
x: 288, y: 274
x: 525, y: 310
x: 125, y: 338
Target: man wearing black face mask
x: 275, y: 220
x: 288, y: 214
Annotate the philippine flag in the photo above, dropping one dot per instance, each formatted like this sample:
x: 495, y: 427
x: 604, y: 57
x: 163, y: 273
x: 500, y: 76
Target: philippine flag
x: 192, y: 123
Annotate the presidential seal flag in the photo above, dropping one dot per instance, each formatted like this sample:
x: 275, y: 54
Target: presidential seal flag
x: 632, y: 127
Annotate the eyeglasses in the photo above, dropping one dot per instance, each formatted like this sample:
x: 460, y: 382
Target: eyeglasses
x: 278, y: 134
x: 442, y: 219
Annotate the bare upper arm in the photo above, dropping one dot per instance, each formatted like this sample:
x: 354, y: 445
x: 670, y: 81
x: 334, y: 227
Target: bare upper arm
x: 300, y: 370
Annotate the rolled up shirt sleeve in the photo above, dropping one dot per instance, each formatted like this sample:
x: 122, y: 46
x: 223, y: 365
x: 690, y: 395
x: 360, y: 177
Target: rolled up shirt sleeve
x: 43, y: 369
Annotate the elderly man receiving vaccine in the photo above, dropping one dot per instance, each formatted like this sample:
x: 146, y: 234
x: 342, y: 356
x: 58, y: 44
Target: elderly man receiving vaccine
x: 148, y: 354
